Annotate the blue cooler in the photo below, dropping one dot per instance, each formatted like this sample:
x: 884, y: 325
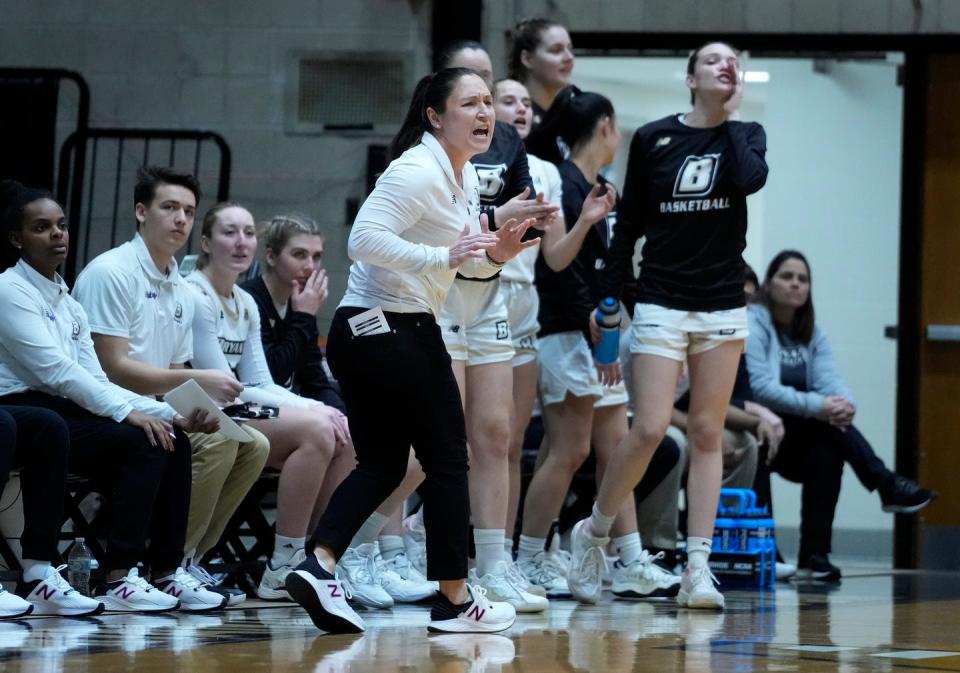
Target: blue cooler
x: 744, y: 550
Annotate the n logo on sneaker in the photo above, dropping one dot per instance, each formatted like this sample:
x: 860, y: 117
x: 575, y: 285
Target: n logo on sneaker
x: 335, y: 591
x: 46, y: 591
x: 476, y: 612
x: 172, y: 590
x: 125, y: 592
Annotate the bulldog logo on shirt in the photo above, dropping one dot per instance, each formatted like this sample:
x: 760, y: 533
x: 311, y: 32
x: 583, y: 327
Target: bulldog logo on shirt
x: 75, y: 331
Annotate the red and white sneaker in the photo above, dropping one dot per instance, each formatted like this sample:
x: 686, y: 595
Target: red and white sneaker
x: 53, y: 595
x: 135, y: 594
x: 478, y: 615
x: 324, y: 598
x: 193, y: 596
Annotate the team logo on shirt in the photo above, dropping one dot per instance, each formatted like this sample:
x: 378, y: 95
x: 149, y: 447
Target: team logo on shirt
x: 696, y: 176
x: 178, y: 313
x: 230, y: 347
x: 491, y: 180
x: 503, y: 331
x: 75, y: 330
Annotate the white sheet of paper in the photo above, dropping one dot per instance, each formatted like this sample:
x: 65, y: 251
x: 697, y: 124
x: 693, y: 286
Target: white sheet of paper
x: 188, y: 396
x: 368, y: 323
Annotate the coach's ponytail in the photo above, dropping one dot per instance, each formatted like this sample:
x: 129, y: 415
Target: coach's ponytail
x: 432, y: 92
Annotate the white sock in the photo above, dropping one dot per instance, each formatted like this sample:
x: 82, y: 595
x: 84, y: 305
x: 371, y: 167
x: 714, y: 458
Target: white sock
x: 390, y: 546
x: 370, y: 530
x: 284, y: 548
x: 530, y: 546
x: 489, y: 546
x: 627, y: 547
x: 698, y: 551
x: 34, y: 570
x: 599, y: 523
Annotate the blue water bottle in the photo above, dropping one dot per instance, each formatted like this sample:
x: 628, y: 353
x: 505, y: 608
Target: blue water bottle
x: 607, y: 350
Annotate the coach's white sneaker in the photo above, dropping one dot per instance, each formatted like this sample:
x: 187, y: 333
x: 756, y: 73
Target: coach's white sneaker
x: 478, y: 615
x: 324, y: 598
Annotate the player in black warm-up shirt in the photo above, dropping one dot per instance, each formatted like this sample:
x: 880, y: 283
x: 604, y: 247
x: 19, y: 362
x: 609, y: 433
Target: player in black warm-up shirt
x: 686, y: 185
x: 476, y: 331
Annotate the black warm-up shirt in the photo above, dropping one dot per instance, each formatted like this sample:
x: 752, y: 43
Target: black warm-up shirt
x: 685, y: 190
x: 290, y: 345
x: 568, y: 296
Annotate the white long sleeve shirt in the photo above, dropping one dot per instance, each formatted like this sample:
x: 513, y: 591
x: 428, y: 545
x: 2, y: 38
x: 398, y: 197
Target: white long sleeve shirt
x: 45, y: 345
x: 546, y: 180
x: 401, y: 238
x: 226, y: 336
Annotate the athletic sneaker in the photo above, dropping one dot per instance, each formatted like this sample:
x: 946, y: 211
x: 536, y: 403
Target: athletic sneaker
x: 324, y: 598
x: 698, y: 590
x: 357, y: 569
x: 12, y: 606
x: 904, y: 496
x: 234, y: 596
x: 135, y: 594
x: 477, y: 615
x: 513, y: 569
x: 818, y: 567
x: 415, y: 542
x: 194, y: 597
x: 784, y: 571
x: 500, y: 585
x: 273, y: 583
x: 643, y: 579
x: 402, y: 581
x: 53, y: 595
x: 587, y: 559
x: 541, y: 571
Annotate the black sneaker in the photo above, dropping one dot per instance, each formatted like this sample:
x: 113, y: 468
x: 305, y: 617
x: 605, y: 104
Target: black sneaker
x: 818, y: 567
x: 904, y: 496
x: 323, y: 597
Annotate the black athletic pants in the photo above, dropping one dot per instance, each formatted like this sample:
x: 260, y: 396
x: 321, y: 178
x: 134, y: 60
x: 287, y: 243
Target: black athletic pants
x: 38, y: 442
x: 400, y: 392
x: 147, y: 488
x: 813, y: 453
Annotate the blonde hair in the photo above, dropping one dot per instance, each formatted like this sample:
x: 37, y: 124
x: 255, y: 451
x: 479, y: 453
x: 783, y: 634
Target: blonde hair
x: 275, y: 233
x: 206, y: 230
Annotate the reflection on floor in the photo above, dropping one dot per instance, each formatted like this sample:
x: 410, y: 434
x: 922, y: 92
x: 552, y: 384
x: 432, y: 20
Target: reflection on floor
x: 878, y: 622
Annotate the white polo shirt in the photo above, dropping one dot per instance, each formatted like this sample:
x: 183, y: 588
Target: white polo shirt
x: 226, y: 336
x: 400, y: 240
x: 547, y: 181
x: 45, y: 345
x: 126, y: 295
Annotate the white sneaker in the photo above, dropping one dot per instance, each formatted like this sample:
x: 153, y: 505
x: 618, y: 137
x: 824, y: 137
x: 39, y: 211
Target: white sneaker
x: 357, y: 569
x: 585, y: 576
x: 644, y: 579
x: 784, y: 571
x: 541, y: 571
x: 519, y: 579
x: 207, y: 581
x: 402, y: 581
x: 501, y: 586
x: 324, y: 599
x: 53, y: 595
x: 135, y: 594
x: 273, y: 582
x: 482, y: 616
x: 415, y: 542
x: 12, y: 606
x: 194, y: 597
x: 698, y: 590
x: 559, y: 557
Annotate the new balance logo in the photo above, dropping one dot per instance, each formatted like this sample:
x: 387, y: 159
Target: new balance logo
x: 172, y: 590
x: 476, y: 612
x: 125, y: 592
x: 46, y: 591
x: 334, y: 590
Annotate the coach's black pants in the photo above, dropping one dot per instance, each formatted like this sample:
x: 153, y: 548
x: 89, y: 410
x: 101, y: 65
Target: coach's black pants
x: 400, y: 392
x: 148, y: 488
x: 38, y: 442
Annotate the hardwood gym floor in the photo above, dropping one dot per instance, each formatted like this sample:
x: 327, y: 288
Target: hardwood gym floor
x: 882, y: 621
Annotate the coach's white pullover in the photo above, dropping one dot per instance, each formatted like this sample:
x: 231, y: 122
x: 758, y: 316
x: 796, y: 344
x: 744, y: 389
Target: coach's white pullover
x: 401, y: 238
x: 45, y: 345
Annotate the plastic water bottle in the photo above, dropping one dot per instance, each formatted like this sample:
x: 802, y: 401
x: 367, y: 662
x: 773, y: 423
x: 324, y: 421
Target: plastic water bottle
x: 607, y: 350
x: 79, y: 564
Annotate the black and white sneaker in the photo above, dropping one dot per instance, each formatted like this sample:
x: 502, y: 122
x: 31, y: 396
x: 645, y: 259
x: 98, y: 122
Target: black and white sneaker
x: 904, y: 496
x: 324, y: 598
x: 477, y: 615
x: 818, y: 567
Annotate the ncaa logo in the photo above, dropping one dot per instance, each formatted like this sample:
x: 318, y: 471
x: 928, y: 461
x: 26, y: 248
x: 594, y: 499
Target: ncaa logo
x: 696, y: 176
